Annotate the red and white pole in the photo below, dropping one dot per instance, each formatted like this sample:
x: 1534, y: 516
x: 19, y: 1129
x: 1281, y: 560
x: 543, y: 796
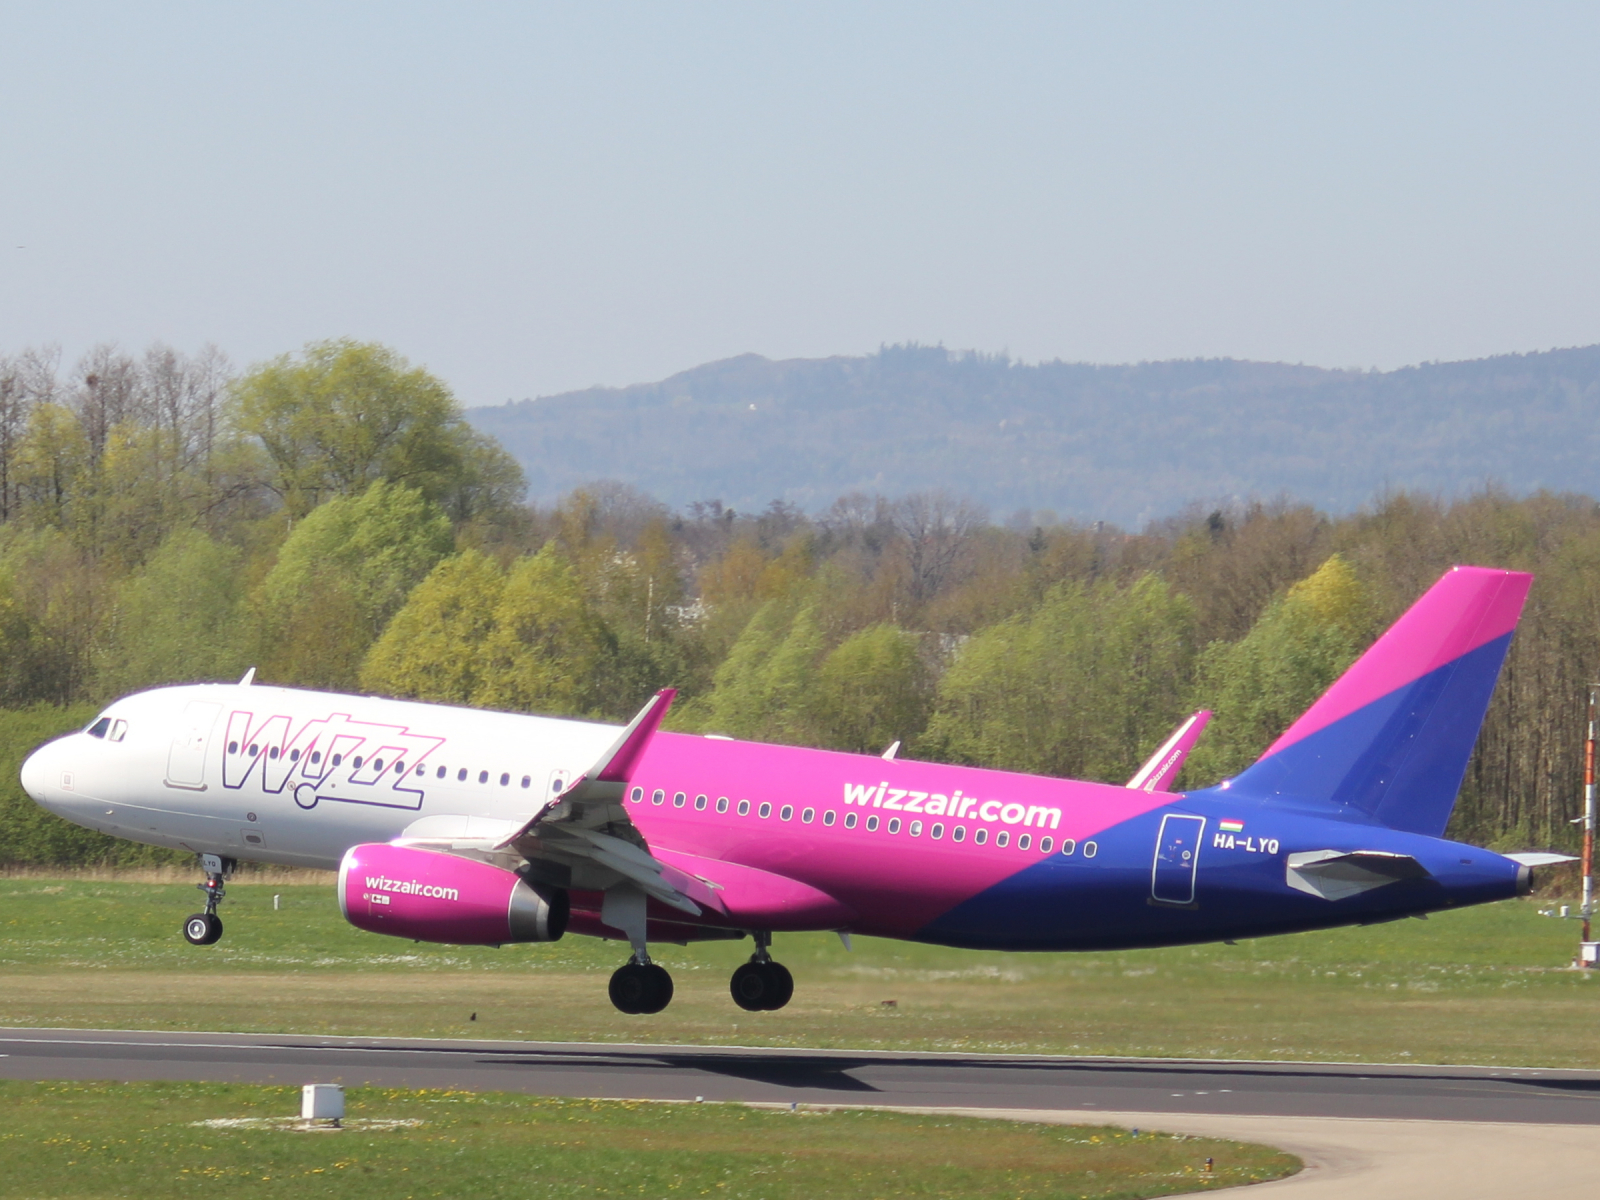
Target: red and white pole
x: 1589, y: 815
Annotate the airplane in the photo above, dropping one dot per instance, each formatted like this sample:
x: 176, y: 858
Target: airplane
x: 462, y: 826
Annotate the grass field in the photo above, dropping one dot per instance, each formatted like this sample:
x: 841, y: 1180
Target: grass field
x: 174, y: 1140
x: 1484, y: 985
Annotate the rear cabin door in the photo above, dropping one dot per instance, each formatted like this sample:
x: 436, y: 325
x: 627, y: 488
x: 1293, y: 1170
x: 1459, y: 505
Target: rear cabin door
x: 1177, y: 859
x: 186, y: 761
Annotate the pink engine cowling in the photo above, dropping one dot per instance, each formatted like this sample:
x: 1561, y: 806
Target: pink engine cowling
x: 434, y: 897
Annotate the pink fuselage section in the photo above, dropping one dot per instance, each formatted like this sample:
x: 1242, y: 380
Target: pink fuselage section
x: 885, y: 871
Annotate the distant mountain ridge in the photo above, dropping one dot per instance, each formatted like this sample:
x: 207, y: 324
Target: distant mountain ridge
x: 1117, y: 443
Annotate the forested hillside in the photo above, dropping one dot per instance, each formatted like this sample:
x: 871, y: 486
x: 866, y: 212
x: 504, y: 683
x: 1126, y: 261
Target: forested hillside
x: 1117, y: 443
x: 330, y: 519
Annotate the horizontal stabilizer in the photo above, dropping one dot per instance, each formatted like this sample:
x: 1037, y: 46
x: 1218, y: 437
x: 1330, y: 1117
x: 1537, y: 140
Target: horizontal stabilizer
x: 1538, y: 858
x: 1159, y: 773
x: 1340, y: 874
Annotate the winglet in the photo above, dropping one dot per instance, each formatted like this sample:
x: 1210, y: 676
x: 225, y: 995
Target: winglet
x: 1163, y: 766
x: 616, y: 764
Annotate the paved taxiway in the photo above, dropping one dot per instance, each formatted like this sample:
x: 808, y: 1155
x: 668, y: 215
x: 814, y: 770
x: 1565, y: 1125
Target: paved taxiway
x: 1082, y: 1085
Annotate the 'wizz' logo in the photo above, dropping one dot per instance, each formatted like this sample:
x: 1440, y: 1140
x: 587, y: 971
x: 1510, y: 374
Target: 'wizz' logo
x: 328, y: 758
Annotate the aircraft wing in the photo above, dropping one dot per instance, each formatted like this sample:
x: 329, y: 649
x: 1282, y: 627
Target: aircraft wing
x: 1158, y: 774
x: 585, y: 838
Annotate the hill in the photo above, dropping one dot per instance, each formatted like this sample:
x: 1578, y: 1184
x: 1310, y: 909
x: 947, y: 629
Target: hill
x: 1117, y: 443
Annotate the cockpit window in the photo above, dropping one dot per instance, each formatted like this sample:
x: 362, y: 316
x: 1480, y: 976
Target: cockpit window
x: 119, y: 730
x: 98, y: 729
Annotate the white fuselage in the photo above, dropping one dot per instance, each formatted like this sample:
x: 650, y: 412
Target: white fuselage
x: 285, y: 776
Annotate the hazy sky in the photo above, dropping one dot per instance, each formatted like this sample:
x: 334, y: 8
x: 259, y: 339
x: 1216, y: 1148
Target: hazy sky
x: 530, y: 198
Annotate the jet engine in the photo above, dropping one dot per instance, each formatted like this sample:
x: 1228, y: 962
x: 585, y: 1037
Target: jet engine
x: 436, y: 897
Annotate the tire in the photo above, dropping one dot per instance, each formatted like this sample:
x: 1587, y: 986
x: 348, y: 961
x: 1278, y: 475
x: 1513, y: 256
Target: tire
x: 202, y: 929
x: 631, y: 988
x: 660, y: 989
x: 782, y: 986
x: 751, y: 986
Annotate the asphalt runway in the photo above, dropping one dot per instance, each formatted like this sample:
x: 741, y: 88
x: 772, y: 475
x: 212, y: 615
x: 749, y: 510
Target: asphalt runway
x: 990, y: 1082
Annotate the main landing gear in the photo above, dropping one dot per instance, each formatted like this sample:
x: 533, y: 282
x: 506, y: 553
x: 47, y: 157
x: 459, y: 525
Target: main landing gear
x: 762, y: 985
x: 204, y: 928
x: 641, y: 987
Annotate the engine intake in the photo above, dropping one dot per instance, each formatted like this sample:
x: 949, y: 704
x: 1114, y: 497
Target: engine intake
x: 435, y: 897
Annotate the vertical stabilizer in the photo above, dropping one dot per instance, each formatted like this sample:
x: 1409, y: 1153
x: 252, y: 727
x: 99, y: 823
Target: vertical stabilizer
x: 1391, y: 738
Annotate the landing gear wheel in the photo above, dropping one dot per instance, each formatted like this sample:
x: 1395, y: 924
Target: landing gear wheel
x: 641, y: 988
x: 761, y: 986
x: 202, y: 929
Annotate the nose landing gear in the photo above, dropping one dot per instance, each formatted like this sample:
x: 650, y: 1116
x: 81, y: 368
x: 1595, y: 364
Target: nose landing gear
x: 762, y: 985
x: 205, y: 928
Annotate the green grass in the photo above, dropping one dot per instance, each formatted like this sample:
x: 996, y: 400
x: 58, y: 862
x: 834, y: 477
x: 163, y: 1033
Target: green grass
x: 149, y: 1140
x: 1482, y: 985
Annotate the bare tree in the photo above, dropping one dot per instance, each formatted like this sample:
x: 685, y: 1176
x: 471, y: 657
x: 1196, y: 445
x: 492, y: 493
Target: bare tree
x: 936, y: 530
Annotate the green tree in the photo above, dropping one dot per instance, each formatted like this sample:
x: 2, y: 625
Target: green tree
x: 1084, y: 685
x: 348, y: 413
x: 436, y: 645
x: 178, y: 619
x: 1259, y: 684
x: 344, y: 571
x: 872, y: 689
x: 546, y: 641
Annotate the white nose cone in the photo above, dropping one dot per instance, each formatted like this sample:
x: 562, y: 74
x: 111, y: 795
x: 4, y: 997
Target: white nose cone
x: 41, y: 776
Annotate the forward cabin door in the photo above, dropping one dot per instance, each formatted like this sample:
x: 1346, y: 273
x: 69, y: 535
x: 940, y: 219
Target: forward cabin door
x: 1177, y: 859
x: 186, y: 761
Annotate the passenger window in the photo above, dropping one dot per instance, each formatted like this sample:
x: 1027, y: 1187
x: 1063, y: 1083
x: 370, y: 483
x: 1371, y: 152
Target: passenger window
x: 657, y: 796
x: 722, y: 804
x: 850, y: 820
x: 316, y: 756
x: 916, y: 829
x: 421, y: 770
x: 1044, y: 845
x: 744, y: 808
x: 399, y: 768
x: 439, y: 774
x: 958, y: 834
x: 808, y: 815
x: 483, y: 776
x: 636, y: 795
x: 1090, y: 849
x: 254, y: 749
x: 294, y: 756
x: 1002, y: 839
x: 699, y: 804
x: 98, y: 729
x: 356, y: 762
x: 894, y: 824
x: 271, y: 753
x: 505, y: 778
x: 936, y: 832
x: 377, y: 763
x: 828, y: 817
x: 764, y: 811
x: 980, y: 836
x: 872, y: 823
x: 678, y: 799
x: 233, y: 747
x: 1023, y: 841
x: 337, y: 758
x: 786, y: 813
x: 1068, y: 846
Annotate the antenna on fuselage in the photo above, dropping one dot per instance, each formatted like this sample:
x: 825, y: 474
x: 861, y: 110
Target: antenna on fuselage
x: 892, y: 751
x: 250, y: 677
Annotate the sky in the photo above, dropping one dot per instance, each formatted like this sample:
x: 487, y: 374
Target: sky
x: 530, y: 198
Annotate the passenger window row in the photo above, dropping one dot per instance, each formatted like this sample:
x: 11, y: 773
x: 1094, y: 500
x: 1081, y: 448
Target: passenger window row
x: 936, y: 830
x: 377, y: 764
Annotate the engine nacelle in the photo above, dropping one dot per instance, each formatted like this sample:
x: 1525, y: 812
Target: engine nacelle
x: 434, y: 897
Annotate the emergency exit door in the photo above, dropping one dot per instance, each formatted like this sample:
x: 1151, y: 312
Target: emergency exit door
x: 1177, y: 859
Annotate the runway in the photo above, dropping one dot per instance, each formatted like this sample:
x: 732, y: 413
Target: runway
x: 986, y: 1082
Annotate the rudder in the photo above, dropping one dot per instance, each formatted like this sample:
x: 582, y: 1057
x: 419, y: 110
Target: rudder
x: 1391, y: 738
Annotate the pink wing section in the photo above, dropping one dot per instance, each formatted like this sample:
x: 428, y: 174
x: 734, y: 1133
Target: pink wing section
x: 1468, y: 608
x: 1158, y: 774
x: 619, y: 763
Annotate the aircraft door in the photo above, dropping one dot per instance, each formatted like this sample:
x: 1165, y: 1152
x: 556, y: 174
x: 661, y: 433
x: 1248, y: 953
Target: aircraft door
x: 186, y: 761
x: 1177, y: 858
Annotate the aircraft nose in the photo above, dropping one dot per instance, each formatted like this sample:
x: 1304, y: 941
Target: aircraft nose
x: 41, y: 775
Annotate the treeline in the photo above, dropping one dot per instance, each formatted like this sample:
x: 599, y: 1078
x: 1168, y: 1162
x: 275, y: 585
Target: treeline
x: 329, y: 519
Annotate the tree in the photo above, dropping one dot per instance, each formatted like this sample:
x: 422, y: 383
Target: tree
x: 872, y: 689
x: 347, y: 413
x: 344, y: 571
x: 546, y: 640
x: 435, y: 648
x: 1258, y: 685
x: 177, y: 620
